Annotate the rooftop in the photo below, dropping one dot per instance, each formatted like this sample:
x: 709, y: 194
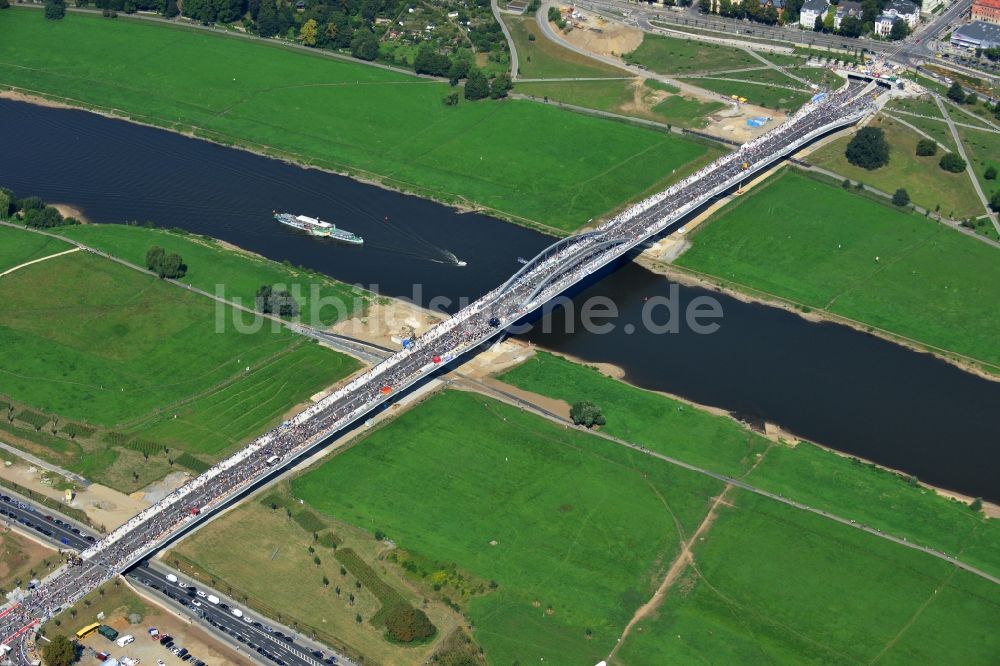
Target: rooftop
x: 979, y: 31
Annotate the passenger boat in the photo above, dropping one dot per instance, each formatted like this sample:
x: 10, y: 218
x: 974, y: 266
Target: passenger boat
x: 316, y: 227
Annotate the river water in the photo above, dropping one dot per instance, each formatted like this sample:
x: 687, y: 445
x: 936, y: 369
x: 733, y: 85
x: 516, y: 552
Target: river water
x: 825, y: 382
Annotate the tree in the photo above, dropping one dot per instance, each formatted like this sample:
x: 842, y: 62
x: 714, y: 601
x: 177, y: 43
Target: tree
x: 901, y: 197
x: 477, y: 86
x: 308, y: 32
x: 899, y: 31
x: 926, y: 147
x: 704, y: 6
x: 995, y: 201
x: 972, y: 99
x: 828, y: 19
x: 45, y: 218
x: 587, y: 414
x: 989, y: 174
x: 364, y: 45
x: 818, y: 24
x: 60, y: 651
x: 276, y: 301
x: 267, y: 19
x: 868, y: 149
x: 976, y: 504
x: 170, y: 9
x: 55, y: 9
x: 458, y: 71
x: 955, y: 93
x: 165, y: 265
x: 850, y: 26
x: 501, y: 86
x: 4, y: 4
x: 451, y: 99
x: 846, y: 184
x: 952, y: 162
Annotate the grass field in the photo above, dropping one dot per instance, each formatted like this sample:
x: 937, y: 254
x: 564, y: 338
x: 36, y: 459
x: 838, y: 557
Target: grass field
x: 927, y: 184
x: 685, y: 111
x: 759, y: 94
x: 293, y: 588
x: 816, y: 244
x: 345, y: 116
x: 771, y: 584
x: 17, y: 247
x: 210, y: 265
x: 574, y: 530
x: 983, y: 149
x: 542, y: 58
x: 936, y: 129
x: 22, y: 559
x: 806, y: 473
x: 90, y: 341
x: 654, y: 420
x: 670, y: 55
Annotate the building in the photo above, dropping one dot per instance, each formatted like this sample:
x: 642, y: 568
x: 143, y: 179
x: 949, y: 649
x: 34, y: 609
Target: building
x: 986, y: 10
x: 844, y: 9
x: 897, y: 10
x: 779, y: 5
x: 976, y: 35
x: 810, y: 10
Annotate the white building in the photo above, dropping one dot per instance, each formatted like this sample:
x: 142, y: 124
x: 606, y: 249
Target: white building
x: 810, y: 10
x: 902, y: 10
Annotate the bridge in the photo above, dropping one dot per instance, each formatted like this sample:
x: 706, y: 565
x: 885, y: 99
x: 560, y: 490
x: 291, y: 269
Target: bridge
x: 550, y: 273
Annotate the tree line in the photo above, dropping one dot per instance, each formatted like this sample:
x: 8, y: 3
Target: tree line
x: 32, y: 211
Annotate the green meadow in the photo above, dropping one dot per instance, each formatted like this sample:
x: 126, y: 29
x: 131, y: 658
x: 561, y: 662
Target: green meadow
x: 806, y: 473
x: 17, y: 247
x: 527, y: 161
x: 210, y: 265
x: 828, y: 249
x: 771, y: 584
x: 575, y: 531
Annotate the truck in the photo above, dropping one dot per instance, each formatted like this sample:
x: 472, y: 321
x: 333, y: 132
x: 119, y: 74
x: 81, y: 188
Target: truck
x: 212, y: 599
x: 107, y: 632
x: 237, y: 612
x: 125, y: 640
x: 154, y: 633
x: 171, y: 578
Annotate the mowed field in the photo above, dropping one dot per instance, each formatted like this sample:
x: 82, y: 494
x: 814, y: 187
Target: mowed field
x: 239, y: 274
x: 822, y: 247
x: 521, y: 159
x: 806, y: 473
x: 927, y: 184
x: 17, y: 247
x: 90, y: 341
x: 771, y: 584
x: 574, y: 530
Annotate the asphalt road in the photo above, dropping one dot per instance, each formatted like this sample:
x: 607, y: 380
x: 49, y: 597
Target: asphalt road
x: 280, y: 645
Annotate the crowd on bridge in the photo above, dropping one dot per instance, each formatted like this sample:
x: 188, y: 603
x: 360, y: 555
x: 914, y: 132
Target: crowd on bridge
x: 550, y: 274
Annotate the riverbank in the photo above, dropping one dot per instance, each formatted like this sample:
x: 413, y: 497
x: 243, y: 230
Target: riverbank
x: 566, y: 167
x: 818, y: 249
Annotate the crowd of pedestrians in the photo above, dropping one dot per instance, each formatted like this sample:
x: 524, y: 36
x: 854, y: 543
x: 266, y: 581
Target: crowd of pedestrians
x: 479, y: 321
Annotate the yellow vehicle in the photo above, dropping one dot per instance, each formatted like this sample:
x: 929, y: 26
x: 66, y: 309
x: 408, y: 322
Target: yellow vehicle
x: 743, y: 100
x: 736, y: 97
x: 88, y: 630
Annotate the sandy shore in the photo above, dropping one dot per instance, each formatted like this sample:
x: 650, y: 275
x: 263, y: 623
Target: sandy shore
x: 69, y: 211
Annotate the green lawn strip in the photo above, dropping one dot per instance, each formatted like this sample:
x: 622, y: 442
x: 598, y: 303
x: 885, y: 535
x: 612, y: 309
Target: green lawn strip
x: 608, y: 95
x: 760, y: 94
x: 541, y: 58
x: 927, y: 184
x: 660, y: 85
x: 816, y: 244
x: 936, y: 129
x: 559, y: 519
x: 385, y: 593
x: 805, y: 473
x: 654, y: 420
x: 773, y: 584
x: 767, y: 76
x: 821, y: 76
x: 112, y: 603
x: 923, y: 105
x: 672, y: 55
x: 965, y: 118
x: 349, y: 117
x: 238, y: 274
x: 18, y: 247
x: 983, y: 150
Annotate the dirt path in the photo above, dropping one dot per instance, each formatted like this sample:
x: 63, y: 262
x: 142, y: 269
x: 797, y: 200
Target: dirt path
x: 677, y: 567
x: 35, y: 261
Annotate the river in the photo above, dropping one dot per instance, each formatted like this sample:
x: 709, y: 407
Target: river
x: 825, y: 382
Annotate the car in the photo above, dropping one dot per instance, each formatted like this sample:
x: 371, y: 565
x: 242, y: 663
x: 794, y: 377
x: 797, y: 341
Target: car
x: 196, y: 603
x: 183, y: 651
x: 165, y: 637
x: 169, y: 644
x: 186, y: 657
x: 247, y: 619
x: 175, y: 649
x: 200, y: 594
x: 160, y: 662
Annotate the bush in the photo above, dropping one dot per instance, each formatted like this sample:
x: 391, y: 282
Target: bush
x: 55, y: 9
x: 926, y: 147
x: 952, y: 162
x: 477, y: 86
x: 868, y: 149
x: 450, y: 99
x: 990, y: 173
x: 405, y: 624
x: 955, y: 93
x: 45, y: 218
x: 587, y: 414
x: 995, y: 201
x: 60, y: 651
x: 276, y: 301
x: 901, y: 197
x: 165, y: 265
